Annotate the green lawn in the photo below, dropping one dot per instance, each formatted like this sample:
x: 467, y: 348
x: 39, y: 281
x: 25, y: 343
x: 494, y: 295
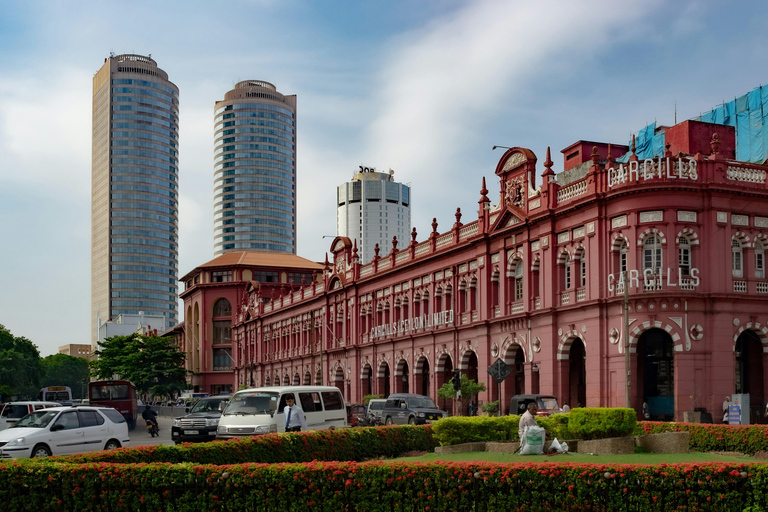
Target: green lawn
x: 637, y: 458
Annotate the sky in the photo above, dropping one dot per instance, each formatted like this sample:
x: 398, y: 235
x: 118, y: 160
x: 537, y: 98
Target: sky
x: 423, y: 87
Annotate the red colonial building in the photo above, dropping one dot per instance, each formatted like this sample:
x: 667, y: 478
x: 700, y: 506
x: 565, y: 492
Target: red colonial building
x: 647, y: 275
x: 213, y: 292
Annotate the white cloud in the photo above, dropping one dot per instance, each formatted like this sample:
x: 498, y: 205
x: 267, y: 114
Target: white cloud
x: 45, y: 132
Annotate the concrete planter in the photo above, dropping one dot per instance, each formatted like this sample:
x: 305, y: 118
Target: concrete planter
x: 612, y: 445
x: 667, y: 442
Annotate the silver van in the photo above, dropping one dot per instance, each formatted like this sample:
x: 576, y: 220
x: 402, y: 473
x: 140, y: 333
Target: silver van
x: 260, y: 410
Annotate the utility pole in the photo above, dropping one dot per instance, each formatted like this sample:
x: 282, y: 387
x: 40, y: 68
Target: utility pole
x: 627, y: 401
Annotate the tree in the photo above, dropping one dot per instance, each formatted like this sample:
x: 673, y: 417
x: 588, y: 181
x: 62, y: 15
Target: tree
x: 20, y: 367
x: 152, y: 363
x: 469, y: 389
x: 64, y: 370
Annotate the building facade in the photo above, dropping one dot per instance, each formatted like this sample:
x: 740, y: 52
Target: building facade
x: 75, y: 350
x: 254, y: 170
x: 134, y: 238
x: 647, y: 276
x: 373, y: 209
x: 212, y: 295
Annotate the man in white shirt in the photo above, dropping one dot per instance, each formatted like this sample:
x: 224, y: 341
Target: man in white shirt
x: 294, y: 416
x: 528, y: 419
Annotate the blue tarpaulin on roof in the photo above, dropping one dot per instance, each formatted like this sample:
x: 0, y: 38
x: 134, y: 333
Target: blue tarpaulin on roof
x: 747, y: 113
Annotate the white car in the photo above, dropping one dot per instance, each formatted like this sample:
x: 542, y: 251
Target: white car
x: 64, y: 431
x: 12, y: 411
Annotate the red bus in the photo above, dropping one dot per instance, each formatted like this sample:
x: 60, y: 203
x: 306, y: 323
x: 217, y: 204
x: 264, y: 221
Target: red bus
x: 119, y: 394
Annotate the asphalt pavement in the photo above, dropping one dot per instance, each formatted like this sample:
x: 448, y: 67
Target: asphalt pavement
x: 140, y: 436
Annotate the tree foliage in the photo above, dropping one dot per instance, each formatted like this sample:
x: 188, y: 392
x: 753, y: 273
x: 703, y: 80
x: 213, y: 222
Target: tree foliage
x: 20, y: 367
x: 64, y: 370
x: 152, y: 363
x: 469, y: 389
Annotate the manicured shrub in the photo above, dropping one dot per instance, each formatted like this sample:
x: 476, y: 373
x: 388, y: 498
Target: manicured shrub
x: 601, y: 423
x: 705, y: 437
x: 355, y: 444
x: 472, y: 429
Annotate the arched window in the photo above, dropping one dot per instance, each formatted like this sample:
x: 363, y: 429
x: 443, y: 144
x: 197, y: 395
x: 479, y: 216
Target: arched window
x: 759, y: 259
x: 566, y: 272
x: 495, y: 289
x: 623, y: 251
x: 737, y: 258
x: 519, y: 281
x: 582, y: 257
x: 222, y: 307
x: 222, y: 323
x: 684, y: 255
x: 652, y: 253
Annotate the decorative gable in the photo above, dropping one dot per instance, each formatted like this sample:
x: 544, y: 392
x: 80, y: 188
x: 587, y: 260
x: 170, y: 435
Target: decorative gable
x: 516, y: 172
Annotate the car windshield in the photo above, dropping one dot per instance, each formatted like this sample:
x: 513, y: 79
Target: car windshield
x: 15, y: 411
x: 421, y: 402
x: 547, y: 403
x: 212, y: 405
x: 37, y: 419
x: 258, y: 402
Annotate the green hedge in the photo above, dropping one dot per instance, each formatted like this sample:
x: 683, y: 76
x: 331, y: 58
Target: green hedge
x: 352, y: 444
x: 705, y: 437
x: 380, y: 487
x: 581, y: 423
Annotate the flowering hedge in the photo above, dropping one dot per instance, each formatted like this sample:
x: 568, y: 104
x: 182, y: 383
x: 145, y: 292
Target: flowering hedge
x: 706, y: 437
x: 52, y: 485
x: 353, y: 444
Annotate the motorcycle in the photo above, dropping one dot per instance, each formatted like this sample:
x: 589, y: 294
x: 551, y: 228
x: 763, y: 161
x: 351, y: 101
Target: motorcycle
x: 152, y: 428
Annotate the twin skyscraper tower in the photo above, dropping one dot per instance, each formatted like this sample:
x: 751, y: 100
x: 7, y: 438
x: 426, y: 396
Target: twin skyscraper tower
x: 135, y: 183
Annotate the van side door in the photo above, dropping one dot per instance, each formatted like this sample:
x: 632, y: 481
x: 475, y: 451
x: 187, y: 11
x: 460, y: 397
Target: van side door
x: 336, y: 415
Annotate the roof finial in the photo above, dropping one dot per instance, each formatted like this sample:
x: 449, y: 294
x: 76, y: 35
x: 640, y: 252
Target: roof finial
x: 484, y: 193
x: 548, y: 164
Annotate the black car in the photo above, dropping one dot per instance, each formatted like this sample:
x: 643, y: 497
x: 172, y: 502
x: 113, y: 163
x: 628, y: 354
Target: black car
x: 406, y: 408
x: 200, y: 423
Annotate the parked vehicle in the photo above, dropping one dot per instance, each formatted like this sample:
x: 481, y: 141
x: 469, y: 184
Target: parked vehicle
x: 375, y: 406
x: 11, y: 412
x: 406, y: 408
x: 546, y: 404
x: 201, y: 422
x: 355, y: 414
x: 260, y: 410
x: 60, y: 394
x: 63, y: 431
x: 118, y: 394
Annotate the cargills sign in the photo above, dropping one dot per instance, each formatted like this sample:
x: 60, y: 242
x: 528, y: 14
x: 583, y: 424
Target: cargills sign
x: 667, y: 168
x: 659, y: 277
x: 409, y: 324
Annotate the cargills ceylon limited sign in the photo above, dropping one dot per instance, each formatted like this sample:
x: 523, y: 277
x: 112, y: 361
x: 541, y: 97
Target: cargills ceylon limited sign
x: 407, y: 325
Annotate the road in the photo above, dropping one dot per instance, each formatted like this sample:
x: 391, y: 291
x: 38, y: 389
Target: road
x: 140, y: 437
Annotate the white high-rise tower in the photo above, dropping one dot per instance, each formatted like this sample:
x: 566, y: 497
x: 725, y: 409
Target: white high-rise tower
x: 372, y: 209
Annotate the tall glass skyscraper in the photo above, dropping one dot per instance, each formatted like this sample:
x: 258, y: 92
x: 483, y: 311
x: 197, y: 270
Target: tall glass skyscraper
x: 135, y: 205
x: 254, y: 196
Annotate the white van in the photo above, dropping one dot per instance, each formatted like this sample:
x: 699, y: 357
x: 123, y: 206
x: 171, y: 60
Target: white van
x: 260, y: 410
x: 13, y: 411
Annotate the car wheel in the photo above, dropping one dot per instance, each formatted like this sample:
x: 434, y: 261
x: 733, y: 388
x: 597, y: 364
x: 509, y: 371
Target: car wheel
x: 411, y: 420
x: 112, y: 445
x: 389, y: 421
x: 41, y: 451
